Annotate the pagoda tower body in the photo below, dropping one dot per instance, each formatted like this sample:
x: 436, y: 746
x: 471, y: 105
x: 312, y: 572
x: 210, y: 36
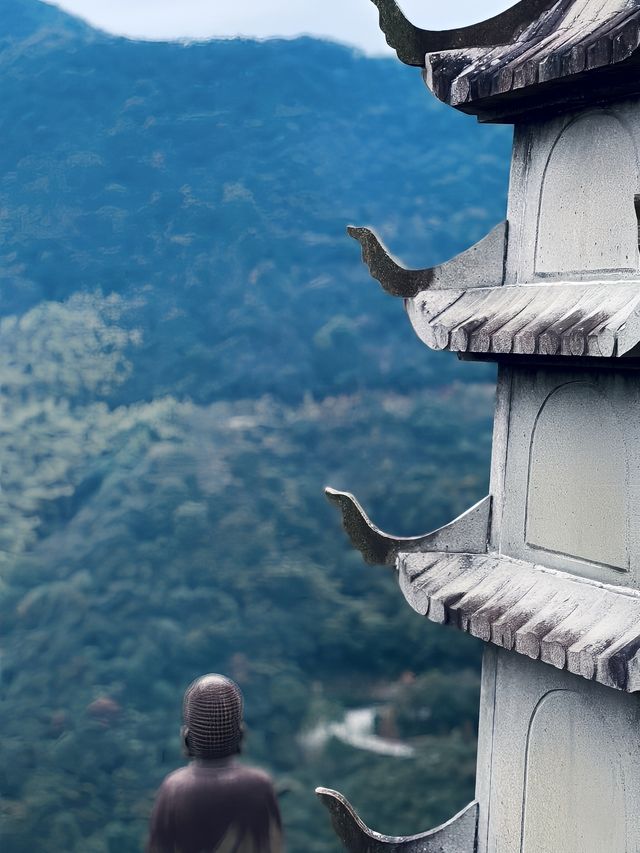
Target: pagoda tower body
x: 546, y: 569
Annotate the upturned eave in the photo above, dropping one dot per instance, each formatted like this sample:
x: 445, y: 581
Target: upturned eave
x: 534, y: 56
x: 452, y: 577
x: 412, y: 43
x: 463, y: 305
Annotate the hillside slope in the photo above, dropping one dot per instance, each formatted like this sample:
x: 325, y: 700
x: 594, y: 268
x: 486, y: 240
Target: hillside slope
x: 189, y: 350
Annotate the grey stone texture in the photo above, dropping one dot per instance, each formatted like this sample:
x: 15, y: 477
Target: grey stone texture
x: 535, y: 55
x: 546, y: 569
x: 480, y: 266
x: 456, y: 836
x: 558, y: 762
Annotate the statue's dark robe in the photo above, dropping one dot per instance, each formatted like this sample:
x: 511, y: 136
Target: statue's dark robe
x: 216, y: 806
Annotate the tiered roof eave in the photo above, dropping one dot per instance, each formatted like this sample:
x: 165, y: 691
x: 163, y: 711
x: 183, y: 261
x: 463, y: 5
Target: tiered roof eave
x: 452, y: 577
x: 537, y: 54
x: 464, y: 306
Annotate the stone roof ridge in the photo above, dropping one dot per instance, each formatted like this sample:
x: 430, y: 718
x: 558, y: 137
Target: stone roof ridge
x: 412, y: 43
x: 530, y: 56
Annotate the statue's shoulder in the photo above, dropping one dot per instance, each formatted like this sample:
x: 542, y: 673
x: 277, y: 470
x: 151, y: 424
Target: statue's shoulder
x: 177, y: 779
x: 253, y: 776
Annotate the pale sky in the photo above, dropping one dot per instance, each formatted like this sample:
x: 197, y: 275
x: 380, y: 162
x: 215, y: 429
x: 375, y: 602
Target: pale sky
x: 351, y: 21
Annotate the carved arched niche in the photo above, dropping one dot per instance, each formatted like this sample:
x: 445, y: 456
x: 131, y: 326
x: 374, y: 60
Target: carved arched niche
x: 587, y: 218
x: 578, y: 478
x: 574, y: 791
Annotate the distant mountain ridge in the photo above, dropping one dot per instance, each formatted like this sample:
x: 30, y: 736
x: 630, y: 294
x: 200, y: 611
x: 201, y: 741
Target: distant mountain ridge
x: 213, y: 182
x: 23, y: 19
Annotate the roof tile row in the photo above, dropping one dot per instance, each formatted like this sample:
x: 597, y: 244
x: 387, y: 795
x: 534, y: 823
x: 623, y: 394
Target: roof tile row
x: 600, y: 319
x: 588, y: 628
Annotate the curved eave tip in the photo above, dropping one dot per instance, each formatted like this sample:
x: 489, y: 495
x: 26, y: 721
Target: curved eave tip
x: 349, y: 507
x: 395, y: 279
x: 327, y: 793
x: 376, y: 547
x: 362, y: 235
x: 412, y: 43
x: 336, y: 497
x: 400, y: 34
x: 340, y: 805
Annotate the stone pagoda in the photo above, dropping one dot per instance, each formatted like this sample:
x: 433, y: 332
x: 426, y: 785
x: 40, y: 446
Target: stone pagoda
x: 546, y: 568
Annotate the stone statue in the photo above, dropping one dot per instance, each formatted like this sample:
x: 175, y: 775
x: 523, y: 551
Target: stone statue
x: 215, y: 803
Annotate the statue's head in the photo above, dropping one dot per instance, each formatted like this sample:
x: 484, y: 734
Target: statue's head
x: 212, y: 714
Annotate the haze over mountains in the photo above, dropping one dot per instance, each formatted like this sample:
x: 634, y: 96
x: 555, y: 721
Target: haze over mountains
x: 190, y: 348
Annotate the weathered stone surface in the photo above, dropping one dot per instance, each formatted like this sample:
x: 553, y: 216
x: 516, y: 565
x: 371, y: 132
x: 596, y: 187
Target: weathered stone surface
x: 456, y: 836
x: 587, y: 218
x: 577, y: 484
x: 551, y: 578
x: 535, y: 54
x: 411, y: 43
x: 558, y: 761
x: 566, y: 487
x: 599, y: 319
x: 572, y: 199
x: 468, y: 532
x: 480, y: 266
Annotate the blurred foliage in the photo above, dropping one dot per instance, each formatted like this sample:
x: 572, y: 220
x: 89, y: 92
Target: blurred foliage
x: 189, y: 351
x: 151, y: 542
x: 428, y: 705
x: 211, y: 184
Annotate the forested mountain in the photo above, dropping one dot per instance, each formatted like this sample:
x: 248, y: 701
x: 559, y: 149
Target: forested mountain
x: 189, y: 349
